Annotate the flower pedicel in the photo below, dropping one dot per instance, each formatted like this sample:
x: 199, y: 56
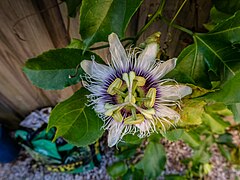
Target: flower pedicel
x: 129, y: 94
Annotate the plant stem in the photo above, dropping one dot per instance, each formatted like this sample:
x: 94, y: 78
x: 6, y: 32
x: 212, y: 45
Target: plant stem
x: 178, y: 11
x: 107, y: 45
x: 177, y: 26
x: 156, y: 14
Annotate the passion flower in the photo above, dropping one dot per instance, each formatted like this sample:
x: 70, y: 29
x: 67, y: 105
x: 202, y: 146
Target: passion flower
x: 130, y: 95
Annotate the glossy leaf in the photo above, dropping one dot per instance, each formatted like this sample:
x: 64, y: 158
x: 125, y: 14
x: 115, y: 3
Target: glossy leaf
x: 224, y: 151
x: 76, y: 44
x: 77, y: 123
x: 117, y: 169
x: 51, y: 70
x: 127, y: 153
x: 216, y: 17
x: 73, y: 7
x: 229, y: 93
x: 225, y: 139
x: 174, y: 134
x: 132, y: 139
x: 100, y: 18
x: 213, y: 55
x: 235, y: 108
x: 201, y: 155
x: 191, y: 138
x: 227, y: 6
x: 153, y: 161
x: 189, y: 110
x: 215, y: 122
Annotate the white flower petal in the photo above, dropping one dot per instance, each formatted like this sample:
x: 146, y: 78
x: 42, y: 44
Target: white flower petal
x: 114, y: 134
x: 95, y: 70
x: 118, y: 53
x: 166, y: 112
x: 100, y: 106
x: 145, y: 128
x: 174, y: 92
x: 163, y: 68
x: 148, y: 56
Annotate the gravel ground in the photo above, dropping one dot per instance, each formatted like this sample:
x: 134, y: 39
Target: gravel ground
x: 26, y: 168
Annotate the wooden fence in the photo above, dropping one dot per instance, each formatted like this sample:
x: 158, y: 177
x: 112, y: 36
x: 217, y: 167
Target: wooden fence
x: 30, y: 27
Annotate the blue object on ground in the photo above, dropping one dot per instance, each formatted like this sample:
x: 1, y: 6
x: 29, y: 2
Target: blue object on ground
x: 8, y: 148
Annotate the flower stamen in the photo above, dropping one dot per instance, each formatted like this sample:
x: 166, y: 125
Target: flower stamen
x: 117, y: 83
x: 151, y: 94
x: 130, y: 120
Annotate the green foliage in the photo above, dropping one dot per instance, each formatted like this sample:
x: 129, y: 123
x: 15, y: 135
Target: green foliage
x: 153, y: 161
x: 75, y: 121
x: 98, y: 19
x: 215, y: 122
x: 191, y: 138
x: 211, y: 53
x: 117, y: 169
x: 190, y: 108
x: 227, y: 6
x: 131, y: 139
x: 174, y: 135
x: 73, y: 7
x: 51, y: 70
x: 235, y: 108
x: 229, y: 93
x: 216, y: 17
x: 76, y: 44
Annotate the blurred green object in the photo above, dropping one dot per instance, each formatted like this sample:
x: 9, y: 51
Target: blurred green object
x: 58, y: 156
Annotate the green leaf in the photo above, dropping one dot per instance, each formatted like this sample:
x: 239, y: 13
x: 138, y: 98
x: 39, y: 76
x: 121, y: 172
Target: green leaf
x: 51, y: 70
x: 227, y: 6
x: 77, y: 123
x: 215, y: 122
x: 46, y: 148
x: 174, y: 177
x: 218, y: 108
x: 174, y: 135
x: 235, y: 108
x: 73, y: 7
x: 191, y: 138
x: 190, y: 108
x: 229, y: 93
x: 153, y: 161
x: 132, y: 139
x: 225, y: 152
x: 201, y: 155
x: 127, y: 153
x: 214, y: 55
x: 138, y: 174
x: 216, y: 17
x: 100, y: 18
x: 225, y: 139
x: 118, y: 169
x: 76, y: 44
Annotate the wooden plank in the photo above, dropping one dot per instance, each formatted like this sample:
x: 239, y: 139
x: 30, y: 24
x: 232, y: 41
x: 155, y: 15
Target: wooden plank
x: 192, y: 16
x: 52, y: 18
x: 21, y: 40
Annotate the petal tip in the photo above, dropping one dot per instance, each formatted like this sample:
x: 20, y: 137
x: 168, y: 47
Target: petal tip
x: 113, y: 36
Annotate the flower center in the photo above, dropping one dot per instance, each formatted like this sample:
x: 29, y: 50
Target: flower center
x: 133, y: 102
